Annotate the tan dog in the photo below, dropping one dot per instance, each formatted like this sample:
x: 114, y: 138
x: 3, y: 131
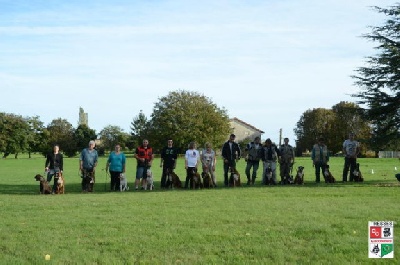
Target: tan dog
x: 299, y: 179
x: 234, y: 179
x: 44, y: 185
x: 328, y: 175
x: 173, y: 180
x: 60, y: 184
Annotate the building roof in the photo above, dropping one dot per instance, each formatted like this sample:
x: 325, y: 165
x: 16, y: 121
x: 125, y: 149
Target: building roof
x: 246, y: 124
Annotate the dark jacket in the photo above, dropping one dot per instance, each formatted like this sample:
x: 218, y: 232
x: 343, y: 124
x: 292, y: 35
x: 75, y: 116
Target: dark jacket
x: 226, y: 151
x: 54, y: 161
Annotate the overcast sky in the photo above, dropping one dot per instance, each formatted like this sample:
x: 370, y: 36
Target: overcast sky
x: 265, y: 62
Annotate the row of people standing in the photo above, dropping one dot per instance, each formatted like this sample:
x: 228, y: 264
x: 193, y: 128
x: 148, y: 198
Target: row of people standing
x: 270, y: 155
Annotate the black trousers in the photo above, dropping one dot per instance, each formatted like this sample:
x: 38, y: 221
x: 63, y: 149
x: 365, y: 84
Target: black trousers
x: 349, y: 163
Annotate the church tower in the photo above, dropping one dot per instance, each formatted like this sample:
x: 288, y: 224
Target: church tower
x: 83, y: 117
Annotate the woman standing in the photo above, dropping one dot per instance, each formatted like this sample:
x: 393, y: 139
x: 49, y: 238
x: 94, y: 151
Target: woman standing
x: 208, y: 159
x: 53, y: 166
x: 116, y: 164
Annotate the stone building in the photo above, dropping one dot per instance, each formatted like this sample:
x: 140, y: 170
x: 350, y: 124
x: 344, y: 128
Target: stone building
x: 243, y: 130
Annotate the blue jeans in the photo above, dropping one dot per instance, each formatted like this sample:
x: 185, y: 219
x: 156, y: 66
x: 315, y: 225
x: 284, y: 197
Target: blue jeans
x: 252, y: 164
x: 141, y: 172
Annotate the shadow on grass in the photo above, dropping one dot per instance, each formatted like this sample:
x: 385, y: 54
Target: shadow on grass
x: 75, y: 188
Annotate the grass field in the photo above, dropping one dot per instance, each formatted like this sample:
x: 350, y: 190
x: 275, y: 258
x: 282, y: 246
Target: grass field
x: 310, y: 224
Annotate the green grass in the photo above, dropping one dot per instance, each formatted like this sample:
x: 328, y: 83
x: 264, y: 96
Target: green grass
x: 310, y: 224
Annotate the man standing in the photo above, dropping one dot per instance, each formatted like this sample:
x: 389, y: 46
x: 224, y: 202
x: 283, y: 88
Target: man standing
x: 351, y: 150
x: 286, y: 159
x: 230, y: 152
x: 168, y: 162
x: 253, y: 159
x: 144, y: 156
x: 87, y: 164
x: 269, y: 156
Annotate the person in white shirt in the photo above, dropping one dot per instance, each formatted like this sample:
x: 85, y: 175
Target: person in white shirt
x: 192, y: 157
x: 351, y: 149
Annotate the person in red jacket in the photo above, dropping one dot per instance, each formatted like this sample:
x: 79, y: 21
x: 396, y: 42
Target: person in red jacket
x: 144, y: 156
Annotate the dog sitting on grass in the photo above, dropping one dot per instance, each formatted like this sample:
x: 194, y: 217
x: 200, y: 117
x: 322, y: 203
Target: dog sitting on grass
x: 299, y: 179
x: 358, y: 177
x: 123, y: 182
x: 60, y: 183
x: 173, y: 180
x: 234, y: 179
x: 149, y: 180
x: 207, y: 181
x: 44, y: 185
x: 328, y: 175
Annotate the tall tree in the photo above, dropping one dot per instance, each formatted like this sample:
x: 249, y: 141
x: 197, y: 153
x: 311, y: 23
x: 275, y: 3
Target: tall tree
x: 111, y: 135
x: 380, y: 80
x: 139, y: 128
x: 188, y: 116
x: 14, y: 131
x: 62, y: 133
x: 37, y: 135
x: 313, y: 124
x: 82, y: 135
x: 348, y: 119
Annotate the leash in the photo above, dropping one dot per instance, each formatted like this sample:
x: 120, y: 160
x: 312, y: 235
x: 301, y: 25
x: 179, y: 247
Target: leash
x: 105, y: 182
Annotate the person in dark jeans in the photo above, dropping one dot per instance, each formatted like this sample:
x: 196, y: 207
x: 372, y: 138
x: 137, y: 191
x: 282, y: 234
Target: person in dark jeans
x: 53, y: 166
x: 169, y: 155
x: 350, y: 150
x: 230, y: 153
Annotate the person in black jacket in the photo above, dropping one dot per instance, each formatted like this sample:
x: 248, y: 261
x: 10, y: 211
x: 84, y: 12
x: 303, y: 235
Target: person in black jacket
x: 54, y: 165
x: 230, y: 153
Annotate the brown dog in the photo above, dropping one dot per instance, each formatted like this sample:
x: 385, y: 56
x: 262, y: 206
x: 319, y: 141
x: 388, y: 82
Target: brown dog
x: 44, y: 185
x: 234, y: 179
x: 299, y: 179
x: 88, y: 180
x: 195, y: 181
x: 60, y: 183
x: 207, y: 181
x: 358, y: 177
x: 328, y: 175
x: 173, y: 180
